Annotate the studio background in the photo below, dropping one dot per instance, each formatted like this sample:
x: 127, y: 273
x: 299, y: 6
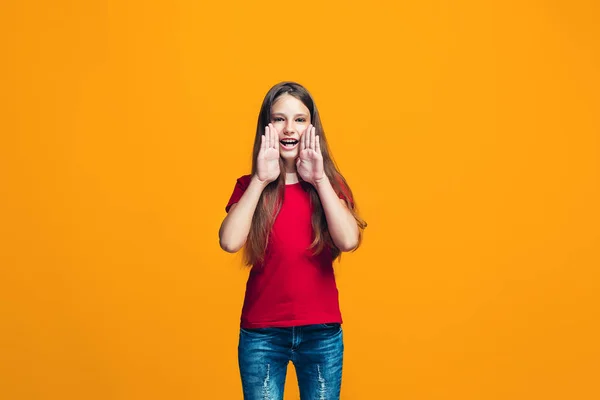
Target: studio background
x: 468, y: 131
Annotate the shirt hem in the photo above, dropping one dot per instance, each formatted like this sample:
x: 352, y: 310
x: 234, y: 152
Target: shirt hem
x: 290, y: 323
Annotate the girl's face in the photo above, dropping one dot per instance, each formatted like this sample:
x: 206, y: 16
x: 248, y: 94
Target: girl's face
x: 291, y: 118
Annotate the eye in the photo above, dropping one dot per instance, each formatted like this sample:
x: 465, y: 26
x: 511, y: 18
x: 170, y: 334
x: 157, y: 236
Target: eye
x: 277, y: 119
x: 301, y: 119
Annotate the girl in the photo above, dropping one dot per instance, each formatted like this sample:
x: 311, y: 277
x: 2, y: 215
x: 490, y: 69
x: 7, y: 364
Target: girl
x: 295, y: 214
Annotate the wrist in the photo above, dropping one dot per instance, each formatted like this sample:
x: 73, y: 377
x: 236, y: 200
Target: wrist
x: 321, y: 181
x: 260, y: 182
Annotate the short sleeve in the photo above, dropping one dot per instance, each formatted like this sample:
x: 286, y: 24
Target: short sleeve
x: 344, y: 193
x: 240, y: 187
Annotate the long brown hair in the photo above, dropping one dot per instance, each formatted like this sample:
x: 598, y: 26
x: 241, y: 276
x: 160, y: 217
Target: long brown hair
x: 271, y: 198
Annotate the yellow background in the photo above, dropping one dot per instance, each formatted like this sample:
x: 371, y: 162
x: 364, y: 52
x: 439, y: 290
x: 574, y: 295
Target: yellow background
x: 468, y: 130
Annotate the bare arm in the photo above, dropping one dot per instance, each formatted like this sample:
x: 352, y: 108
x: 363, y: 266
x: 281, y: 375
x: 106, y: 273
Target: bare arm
x: 340, y: 221
x: 343, y: 228
x: 236, y: 225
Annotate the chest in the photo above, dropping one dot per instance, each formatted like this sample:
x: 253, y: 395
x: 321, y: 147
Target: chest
x: 293, y: 227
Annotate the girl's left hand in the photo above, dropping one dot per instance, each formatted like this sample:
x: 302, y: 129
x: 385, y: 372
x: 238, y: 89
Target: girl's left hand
x: 310, y: 160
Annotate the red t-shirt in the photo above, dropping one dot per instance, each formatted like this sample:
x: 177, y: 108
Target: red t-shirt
x: 291, y: 287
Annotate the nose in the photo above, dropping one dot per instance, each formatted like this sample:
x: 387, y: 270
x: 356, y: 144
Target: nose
x: 289, y: 128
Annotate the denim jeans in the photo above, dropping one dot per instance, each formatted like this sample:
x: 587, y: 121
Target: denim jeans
x: 316, y: 351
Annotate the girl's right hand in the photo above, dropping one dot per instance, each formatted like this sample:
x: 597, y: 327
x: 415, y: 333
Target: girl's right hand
x: 267, y: 162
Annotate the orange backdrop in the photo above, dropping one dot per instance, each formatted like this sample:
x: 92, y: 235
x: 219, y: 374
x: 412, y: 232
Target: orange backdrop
x: 468, y: 130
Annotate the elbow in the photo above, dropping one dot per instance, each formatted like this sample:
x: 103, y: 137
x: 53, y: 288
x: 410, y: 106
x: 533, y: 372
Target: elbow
x: 229, y: 246
x: 347, y: 248
x: 228, y: 240
x: 348, y: 245
x: 348, y: 241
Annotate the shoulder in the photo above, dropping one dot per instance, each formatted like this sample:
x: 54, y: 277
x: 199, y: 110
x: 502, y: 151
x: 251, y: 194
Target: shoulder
x: 244, y: 181
x: 241, y: 185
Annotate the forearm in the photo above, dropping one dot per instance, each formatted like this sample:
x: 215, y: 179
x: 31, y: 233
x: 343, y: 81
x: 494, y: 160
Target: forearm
x: 340, y: 221
x: 236, y: 225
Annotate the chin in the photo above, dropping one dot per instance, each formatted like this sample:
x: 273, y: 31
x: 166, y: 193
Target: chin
x: 289, y: 156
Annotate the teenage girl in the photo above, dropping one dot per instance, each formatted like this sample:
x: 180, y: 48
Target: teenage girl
x: 294, y: 214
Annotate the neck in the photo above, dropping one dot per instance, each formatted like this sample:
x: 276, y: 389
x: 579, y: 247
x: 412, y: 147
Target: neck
x: 291, y: 178
x: 291, y: 175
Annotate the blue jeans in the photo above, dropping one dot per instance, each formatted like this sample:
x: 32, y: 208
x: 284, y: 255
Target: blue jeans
x: 316, y: 351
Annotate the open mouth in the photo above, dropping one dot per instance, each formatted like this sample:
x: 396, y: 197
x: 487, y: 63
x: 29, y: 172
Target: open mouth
x: 288, y: 143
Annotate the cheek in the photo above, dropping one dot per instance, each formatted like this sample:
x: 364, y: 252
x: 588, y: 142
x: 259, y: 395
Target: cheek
x: 278, y: 124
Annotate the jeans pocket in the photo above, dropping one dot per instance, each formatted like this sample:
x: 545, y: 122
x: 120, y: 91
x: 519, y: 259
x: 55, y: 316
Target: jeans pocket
x: 332, y: 325
x: 259, y: 332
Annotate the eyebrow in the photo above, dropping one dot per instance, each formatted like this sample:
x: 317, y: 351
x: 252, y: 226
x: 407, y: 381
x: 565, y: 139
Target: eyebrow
x: 297, y: 115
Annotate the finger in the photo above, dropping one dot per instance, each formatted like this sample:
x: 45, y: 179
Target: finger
x: 302, y: 139
x: 312, y: 138
x: 262, y: 142
x: 267, y: 136
x: 307, y: 137
x: 274, y: 137
x: 318, y: 144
